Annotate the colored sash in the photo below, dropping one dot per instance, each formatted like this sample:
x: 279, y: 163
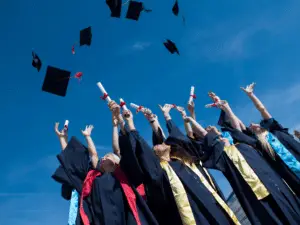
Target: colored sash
x: 286, y: 156
x: 127, y: 189
x: 179, y: 193
x: 246, y: 171
x: 73, y: 208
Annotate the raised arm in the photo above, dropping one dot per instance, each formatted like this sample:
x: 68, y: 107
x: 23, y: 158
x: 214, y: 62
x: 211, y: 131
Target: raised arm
x: 198, y: 128
x: 115, y: 136
x: 234, y: 120
x: 258, y: 104
x: 62, y: 136
x: 91, y: 146
x: 187, y: 125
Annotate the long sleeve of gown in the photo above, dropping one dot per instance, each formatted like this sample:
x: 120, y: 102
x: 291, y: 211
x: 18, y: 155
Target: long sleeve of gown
x: 148, y: 161
x: 129, y: 161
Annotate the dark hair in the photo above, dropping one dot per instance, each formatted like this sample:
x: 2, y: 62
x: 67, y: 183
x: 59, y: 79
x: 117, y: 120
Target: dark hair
x: 180, y: 152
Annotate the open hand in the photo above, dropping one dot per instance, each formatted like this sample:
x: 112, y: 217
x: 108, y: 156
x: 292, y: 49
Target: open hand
x: 88, y: 130
x: 182, y: 111
x: 63, y: 133
x: 166, y: 109
x: 249, y: 89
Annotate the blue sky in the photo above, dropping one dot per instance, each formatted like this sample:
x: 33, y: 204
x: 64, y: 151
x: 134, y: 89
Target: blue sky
x: 224, y: 45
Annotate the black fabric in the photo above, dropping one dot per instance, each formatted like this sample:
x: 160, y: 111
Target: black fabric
x: 170, y: 45
x: 115, y: 7
x: 86, y: 36
x: 258, y: 212
x: 56, y: 81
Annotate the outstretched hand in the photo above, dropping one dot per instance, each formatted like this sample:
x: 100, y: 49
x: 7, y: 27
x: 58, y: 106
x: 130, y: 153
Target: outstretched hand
x: 166, y: 109
x: 114, y: 108
x: 249, y: 89
x: 88, y: 130
x: 63, y: 133
x: 182, y: 111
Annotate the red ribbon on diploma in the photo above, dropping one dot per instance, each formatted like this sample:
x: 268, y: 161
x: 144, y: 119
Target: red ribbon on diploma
x: 105, y: 95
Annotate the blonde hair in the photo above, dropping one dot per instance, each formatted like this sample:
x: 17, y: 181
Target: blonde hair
x: 115, y: 157
x: 261, y: 136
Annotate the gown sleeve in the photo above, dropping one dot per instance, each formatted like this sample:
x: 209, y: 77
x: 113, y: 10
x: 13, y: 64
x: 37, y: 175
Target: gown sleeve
x: 273, y: 125
x: 148, y: 161
x: 129, y: 162
x: 61, y: 177
x: 176, y: 137
x: 75, y: 162
x: 213, y: 150
x: 157, y: 138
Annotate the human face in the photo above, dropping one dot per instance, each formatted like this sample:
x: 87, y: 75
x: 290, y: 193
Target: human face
x: 161, y: 149
x: 256, y: 128
x: 213, y: 129
x: 108, y: 163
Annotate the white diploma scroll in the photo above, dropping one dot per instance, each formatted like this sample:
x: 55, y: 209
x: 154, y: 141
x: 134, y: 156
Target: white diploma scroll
x: 192, y: 94
x: 66, y: 126
x: 105, y: 95
x: 123, y: 104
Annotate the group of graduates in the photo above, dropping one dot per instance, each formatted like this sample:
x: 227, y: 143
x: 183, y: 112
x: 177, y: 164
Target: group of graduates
x: 169, y: 184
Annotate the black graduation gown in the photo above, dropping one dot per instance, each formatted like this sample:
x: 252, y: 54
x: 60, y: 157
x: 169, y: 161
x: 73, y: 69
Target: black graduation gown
x: 194, y: 148
x: 71, y: 173
x: 278, y: 164
x: 110, y: 204
x: 283, y: 136
x: 280, y: 207
x: 205, y: 208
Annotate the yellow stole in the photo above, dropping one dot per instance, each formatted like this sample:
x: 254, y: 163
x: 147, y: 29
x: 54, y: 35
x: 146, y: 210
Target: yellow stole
x: 181, y: 199
x: 246, y: 171
x: 209, y: 177
x: 225, y: 207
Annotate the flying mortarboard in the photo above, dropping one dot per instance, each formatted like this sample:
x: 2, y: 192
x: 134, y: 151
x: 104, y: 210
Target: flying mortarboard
x: 56, y: 81
x: 115, y: 7
x: 134, y: 10
x: 175, y: 8
x: 170, y: 45
x: 86, y: 36
x: 36, y: 62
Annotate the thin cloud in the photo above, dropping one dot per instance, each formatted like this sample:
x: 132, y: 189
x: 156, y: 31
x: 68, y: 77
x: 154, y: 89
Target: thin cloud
x: 140, y: 46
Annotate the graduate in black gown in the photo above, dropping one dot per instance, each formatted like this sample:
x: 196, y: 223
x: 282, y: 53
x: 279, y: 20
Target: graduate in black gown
x: 105, y: 189
x: 265, y: 198
x: 278, y: 146
x: 176, y: 193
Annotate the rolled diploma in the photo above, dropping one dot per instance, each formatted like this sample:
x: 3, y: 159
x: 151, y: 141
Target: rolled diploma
x: 103, y: 91
x: 192, y: 94
x: 66, y: 126
x: 124, y: 107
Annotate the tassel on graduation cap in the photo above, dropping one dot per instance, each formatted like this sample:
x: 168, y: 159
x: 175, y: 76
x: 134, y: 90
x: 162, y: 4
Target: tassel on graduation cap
x: 134, y: 10
x: 36, y: 62
x: 84, y: 39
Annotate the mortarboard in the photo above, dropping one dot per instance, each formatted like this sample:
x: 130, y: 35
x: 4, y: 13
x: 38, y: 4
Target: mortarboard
x: 36, y: 62
x: 170, y: 45
x: 56, y: 81
x: 115, y: 7
x: 135, y: 9
x: 175, y: 8
x: 86, y: 36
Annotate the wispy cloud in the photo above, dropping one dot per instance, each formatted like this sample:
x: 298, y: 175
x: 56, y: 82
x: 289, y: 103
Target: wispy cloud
x: 140, y: 46
x: 103, y: 148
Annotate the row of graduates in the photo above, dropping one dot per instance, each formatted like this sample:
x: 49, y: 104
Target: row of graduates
x: 169, y: 183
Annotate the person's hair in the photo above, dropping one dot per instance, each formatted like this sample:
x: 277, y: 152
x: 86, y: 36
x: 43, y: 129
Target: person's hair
x: 261, y: 136
x: 181, y: 153
x: 115, y: 157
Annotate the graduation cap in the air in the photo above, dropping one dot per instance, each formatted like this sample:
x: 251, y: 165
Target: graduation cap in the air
x: 170, y: 45
x: 115, y: 7
x: 86, y: 36
x: 134, y: 10
x: 36, y: 62
x: 56, y: 81
x: 175, y: 8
